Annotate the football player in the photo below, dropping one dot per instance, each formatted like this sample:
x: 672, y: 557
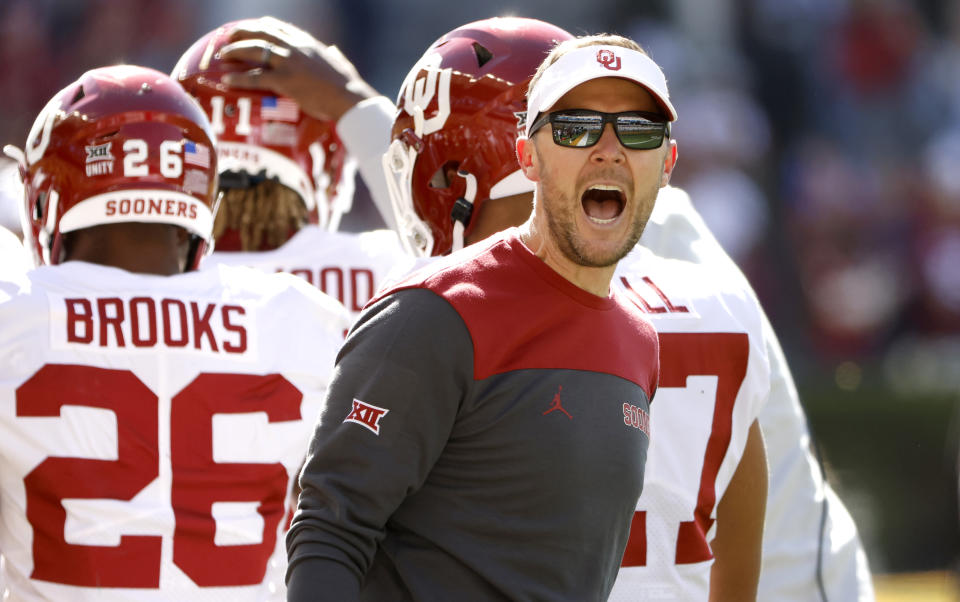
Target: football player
x: 151, y: 422
x: 287, y: 179
x: 454, y: 179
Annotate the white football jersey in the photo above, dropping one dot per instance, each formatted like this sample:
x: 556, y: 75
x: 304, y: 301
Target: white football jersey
x: 151, y: 428
x: 714, y: 380
x: 348, y: 266
x: 811, y: 549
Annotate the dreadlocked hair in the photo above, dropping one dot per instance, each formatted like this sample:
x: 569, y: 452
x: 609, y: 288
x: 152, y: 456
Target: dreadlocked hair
x: 267, y: 211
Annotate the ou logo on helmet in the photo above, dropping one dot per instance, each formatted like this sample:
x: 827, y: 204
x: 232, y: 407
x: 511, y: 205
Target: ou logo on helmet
x: 39, y: 137
x: 418, y: 93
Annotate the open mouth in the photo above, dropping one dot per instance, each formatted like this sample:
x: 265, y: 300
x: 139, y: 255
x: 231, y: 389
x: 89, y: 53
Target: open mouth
x: 603, y: 203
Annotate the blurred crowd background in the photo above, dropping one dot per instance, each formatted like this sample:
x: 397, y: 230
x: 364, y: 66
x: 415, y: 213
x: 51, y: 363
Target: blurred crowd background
x: 820, y: 139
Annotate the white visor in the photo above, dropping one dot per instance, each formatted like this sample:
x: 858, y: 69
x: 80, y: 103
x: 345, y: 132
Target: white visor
x: 591, y: 62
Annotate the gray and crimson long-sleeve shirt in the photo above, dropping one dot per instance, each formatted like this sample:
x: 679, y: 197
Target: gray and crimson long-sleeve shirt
x: 484, y: 439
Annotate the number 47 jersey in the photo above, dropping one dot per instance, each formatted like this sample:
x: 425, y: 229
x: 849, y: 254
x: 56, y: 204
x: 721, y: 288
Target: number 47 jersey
x: 151, y: 428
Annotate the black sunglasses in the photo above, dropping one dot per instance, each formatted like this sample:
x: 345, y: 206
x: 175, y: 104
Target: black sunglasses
x: 580, y: 128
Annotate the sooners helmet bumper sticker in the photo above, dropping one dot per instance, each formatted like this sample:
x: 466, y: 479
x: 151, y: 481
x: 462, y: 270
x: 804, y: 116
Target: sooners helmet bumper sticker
x: 154, y: 206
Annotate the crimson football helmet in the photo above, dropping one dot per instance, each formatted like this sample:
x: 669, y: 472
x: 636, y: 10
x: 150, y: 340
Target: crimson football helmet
x: 120, y: 144
x: 265, y: 136
x: 457, y: 113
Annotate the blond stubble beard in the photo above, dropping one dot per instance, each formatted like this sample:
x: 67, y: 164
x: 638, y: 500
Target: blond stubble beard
x: 561, y: 217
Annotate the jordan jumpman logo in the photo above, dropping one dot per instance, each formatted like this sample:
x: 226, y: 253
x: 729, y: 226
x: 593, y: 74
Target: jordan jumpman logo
x: 557, y: 404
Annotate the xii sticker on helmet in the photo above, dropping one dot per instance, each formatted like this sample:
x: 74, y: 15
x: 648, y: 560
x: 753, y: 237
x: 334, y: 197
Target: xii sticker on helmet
x: 120, y: 144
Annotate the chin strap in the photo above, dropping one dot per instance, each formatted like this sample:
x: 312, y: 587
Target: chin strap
x: 463, y: 209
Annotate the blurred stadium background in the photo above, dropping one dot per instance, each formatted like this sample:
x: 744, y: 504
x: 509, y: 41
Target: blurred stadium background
x: 819, y: 138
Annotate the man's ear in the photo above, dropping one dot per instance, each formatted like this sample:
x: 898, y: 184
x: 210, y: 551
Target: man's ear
x: 527, y: 159
x: 669, y: 163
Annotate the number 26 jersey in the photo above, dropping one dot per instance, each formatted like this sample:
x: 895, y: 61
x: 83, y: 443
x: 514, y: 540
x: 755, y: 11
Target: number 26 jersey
x: 151, y: 428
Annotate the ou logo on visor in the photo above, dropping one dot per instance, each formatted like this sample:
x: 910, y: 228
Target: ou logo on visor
x: 420, y: 91
x: 608, y: 59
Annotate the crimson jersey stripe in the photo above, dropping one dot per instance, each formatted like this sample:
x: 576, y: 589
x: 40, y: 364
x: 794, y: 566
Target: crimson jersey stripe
x: 608, y: 335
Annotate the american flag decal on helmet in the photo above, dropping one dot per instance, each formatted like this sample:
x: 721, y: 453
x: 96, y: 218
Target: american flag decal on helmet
x: 279, y: 109
x: 196, y: 154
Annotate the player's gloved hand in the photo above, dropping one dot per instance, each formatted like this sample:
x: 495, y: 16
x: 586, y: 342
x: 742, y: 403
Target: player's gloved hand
x: 295, y: 64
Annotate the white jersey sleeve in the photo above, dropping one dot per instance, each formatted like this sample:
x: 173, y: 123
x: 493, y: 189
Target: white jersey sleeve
x: 714, y: 381
x: 151, y: 428
x: 351, y: 267
x: 365, y: 132
x: 811, y: 549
